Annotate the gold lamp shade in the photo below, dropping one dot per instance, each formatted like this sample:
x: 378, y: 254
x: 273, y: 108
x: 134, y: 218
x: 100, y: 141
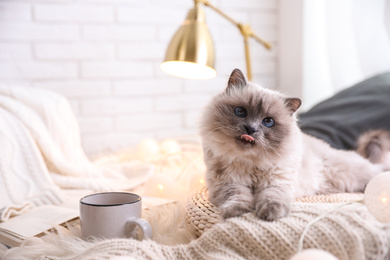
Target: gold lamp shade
x: 190, y: 53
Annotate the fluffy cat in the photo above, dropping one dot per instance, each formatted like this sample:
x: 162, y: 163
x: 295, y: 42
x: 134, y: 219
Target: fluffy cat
x: 258, y: 160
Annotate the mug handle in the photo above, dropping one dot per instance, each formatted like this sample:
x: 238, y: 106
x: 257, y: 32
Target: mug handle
x: 143, y: 224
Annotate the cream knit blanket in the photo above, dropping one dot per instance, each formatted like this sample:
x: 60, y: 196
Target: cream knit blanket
x: 349, y: 232
x: 41, y: 152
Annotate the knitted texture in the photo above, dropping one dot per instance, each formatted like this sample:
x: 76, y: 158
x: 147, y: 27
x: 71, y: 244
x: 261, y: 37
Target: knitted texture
x: 349, y: 232
x: 41, y: 152
x: 202, y: 214
x: 24, y: 178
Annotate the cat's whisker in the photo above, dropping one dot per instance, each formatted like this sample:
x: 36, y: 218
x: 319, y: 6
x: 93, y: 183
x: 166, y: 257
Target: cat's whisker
x: 275, y: 152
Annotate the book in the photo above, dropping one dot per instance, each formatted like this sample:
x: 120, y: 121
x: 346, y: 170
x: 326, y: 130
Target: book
x: 34, y: 223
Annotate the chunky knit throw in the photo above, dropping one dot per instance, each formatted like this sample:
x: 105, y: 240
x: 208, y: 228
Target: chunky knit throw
x: 350, y: 233
x: 41, y: 152
x: 347, y: 232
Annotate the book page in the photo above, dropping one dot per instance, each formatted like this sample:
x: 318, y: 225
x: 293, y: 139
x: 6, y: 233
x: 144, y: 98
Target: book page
x: 37, y: 220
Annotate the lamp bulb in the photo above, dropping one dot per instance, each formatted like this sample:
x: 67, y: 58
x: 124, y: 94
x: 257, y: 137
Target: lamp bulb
x: 377, y: 197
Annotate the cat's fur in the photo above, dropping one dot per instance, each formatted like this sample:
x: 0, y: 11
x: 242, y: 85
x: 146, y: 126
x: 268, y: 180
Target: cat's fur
x: 251, y: 167
x: 375, y: 146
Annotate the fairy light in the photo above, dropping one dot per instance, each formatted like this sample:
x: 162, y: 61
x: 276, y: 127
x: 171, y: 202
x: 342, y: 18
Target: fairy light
x: 170, y: 146
x: 376, y: 200
x: 310, y: 254
x: 160, y: 185
x: 384, y: 199
x: 147, y: 150
x: 376, y: 197
x: 196, y: 180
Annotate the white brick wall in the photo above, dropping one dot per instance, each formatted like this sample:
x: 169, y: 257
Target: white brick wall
x: 104, y: 55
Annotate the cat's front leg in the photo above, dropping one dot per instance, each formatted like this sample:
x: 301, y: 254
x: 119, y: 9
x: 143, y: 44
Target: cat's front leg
x: 273, y: 203
x: 232, y: 200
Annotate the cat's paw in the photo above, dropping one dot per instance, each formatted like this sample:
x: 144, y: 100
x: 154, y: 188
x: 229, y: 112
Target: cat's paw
x: 272, y: 210
x: 234, y: 210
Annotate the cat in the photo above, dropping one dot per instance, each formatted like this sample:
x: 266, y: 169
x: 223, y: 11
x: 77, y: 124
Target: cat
x: 258, y: 160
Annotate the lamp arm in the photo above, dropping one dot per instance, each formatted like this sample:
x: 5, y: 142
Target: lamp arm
x: 245, y: 29
x: 246, y: 32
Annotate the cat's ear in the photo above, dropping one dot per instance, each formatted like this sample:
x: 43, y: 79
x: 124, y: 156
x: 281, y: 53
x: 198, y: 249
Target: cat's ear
x: 293, y: 104
x: 236, y: 80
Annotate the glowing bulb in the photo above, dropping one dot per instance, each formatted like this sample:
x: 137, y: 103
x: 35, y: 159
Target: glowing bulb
x: 376, y: 197
x: 147, y: 150
x: 196, y: 181
x: 384, y: 199
x: 188, y: 70
x: 160, y: 185
x: 310, y: 254
x: 170, y: 146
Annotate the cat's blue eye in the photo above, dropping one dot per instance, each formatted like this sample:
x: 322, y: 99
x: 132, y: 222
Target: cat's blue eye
x: 268, y: 122
x: 240, y: 112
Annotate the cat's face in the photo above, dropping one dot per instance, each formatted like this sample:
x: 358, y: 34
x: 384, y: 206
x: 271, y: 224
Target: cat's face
x: 248, y: 119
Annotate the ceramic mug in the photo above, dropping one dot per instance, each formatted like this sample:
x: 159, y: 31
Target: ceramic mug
x: 112, y: 215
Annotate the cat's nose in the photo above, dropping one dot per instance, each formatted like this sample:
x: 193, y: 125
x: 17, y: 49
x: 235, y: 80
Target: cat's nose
x: 250, y: 130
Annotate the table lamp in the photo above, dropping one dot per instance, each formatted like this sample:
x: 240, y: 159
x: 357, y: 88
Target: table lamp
x: 190, y: 53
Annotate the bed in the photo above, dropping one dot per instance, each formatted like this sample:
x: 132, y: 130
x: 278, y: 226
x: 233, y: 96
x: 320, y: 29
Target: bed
x: 192, y: 228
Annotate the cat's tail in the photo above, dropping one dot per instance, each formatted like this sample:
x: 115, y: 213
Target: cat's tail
x: 375, y: 146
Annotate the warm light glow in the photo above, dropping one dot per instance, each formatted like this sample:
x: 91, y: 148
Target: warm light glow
x: 170, y: 146
x: 188, y: 70
x: 384, y: 199
x: 201, y: 181
x: 147, y: 150
x: 377, y: 196
x: 310, y: 254
x: 160, y: 185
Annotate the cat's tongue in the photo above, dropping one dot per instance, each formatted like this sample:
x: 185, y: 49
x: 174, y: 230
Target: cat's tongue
x: 247, y: 138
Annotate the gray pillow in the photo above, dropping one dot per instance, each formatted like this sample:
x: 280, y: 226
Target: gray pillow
x: 340, y: 119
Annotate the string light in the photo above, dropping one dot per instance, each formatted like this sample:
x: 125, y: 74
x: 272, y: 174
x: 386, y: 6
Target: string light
x: 160, y: 185
x: 376, y: 197
x: 147, y: 150
x: 310, y: 254
x: 170, y: 146
x: 197, y: 180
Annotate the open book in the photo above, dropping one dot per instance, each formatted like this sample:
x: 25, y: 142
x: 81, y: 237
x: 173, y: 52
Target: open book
x: 35, y: 222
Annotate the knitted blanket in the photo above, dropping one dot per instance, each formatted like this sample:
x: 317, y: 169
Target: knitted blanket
x: 41, y: 152
x: 347, y: 232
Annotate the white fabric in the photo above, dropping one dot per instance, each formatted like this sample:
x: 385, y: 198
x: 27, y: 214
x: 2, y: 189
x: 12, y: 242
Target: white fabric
x: 336, y: 44
x: 40, y: 152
